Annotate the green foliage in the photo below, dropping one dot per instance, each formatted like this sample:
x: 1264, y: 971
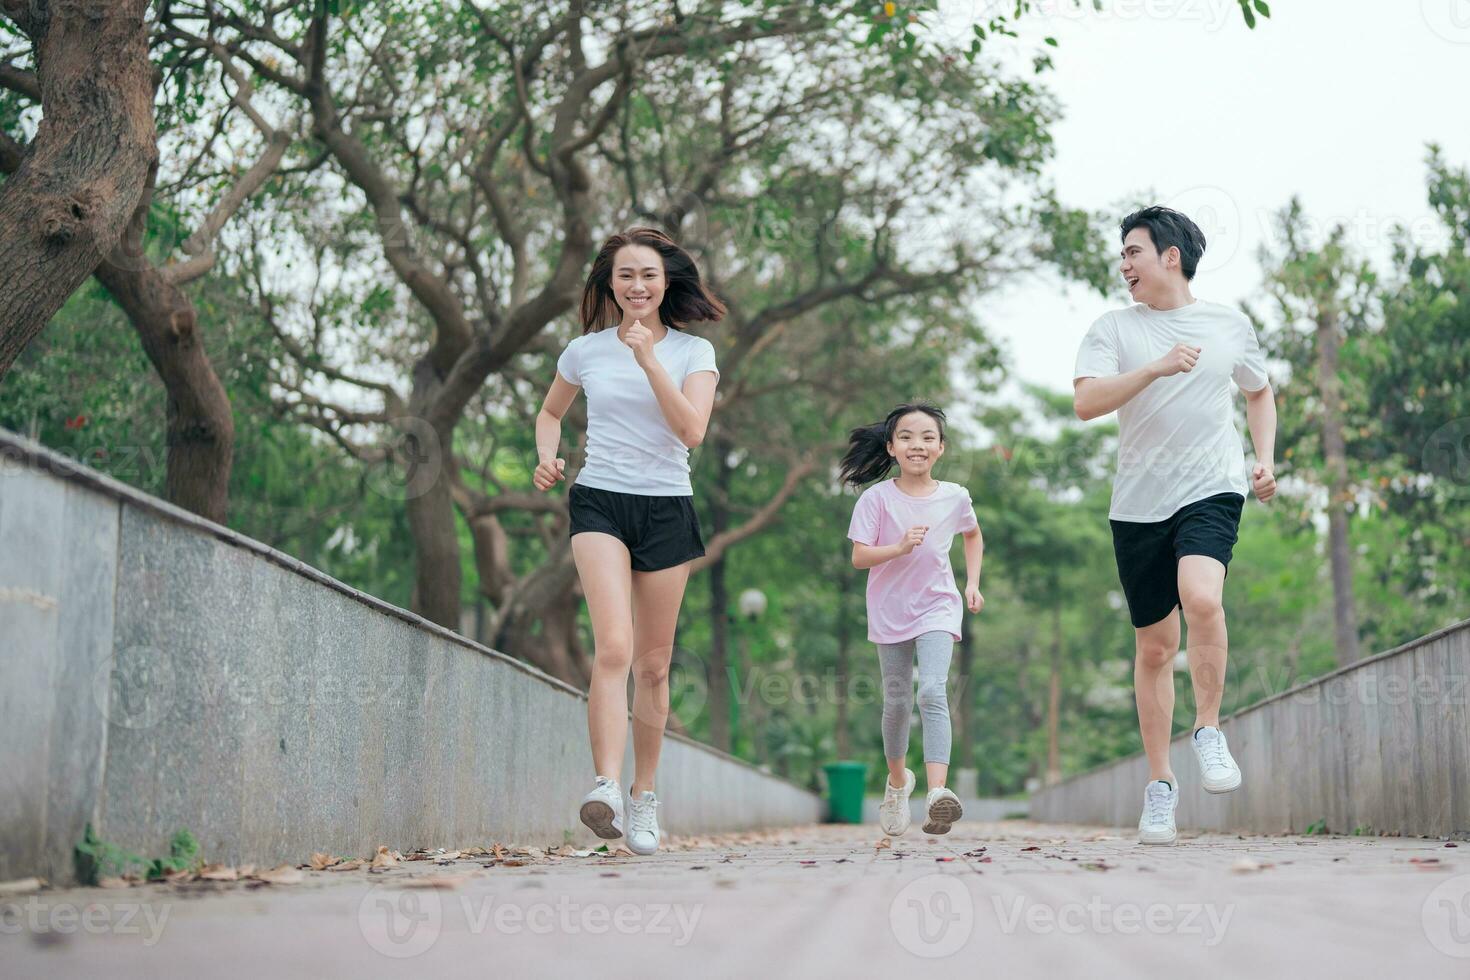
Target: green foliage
x: 95, y: 859
x: 183, y: 855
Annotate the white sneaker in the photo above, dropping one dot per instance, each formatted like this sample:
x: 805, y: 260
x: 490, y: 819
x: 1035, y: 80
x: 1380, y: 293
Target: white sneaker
x: 893, y: 812
x: 602, y: 809
x: 943, y: 809
x: 643, y: 823
x: 1217, y: 768
x: 1156, y: 826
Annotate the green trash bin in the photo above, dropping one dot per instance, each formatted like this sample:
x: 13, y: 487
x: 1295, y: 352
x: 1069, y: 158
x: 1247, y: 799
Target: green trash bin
x: 845, y: 783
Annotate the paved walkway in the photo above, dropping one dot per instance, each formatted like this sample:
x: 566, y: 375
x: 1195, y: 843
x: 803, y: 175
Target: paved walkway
x: 991, y: 900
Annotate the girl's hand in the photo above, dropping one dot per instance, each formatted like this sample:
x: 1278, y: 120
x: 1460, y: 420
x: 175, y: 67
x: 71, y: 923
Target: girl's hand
x: 548, y: 474
x: 640, y: 340
x: 912, y: 538
x: 973, y: 599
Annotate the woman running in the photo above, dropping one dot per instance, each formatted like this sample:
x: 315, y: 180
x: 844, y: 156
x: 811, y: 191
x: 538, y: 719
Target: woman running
x: 650, y: 389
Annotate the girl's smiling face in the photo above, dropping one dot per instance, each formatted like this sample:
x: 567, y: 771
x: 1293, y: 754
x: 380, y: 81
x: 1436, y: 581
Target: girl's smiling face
x: 638, y: 281
x: 916, y: 444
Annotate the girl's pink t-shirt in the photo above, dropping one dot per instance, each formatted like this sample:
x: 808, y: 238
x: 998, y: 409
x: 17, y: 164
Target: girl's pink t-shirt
x: 914, y: 593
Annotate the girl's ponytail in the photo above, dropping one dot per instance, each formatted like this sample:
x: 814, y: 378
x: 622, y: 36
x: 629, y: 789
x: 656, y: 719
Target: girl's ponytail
x: 867, y: 456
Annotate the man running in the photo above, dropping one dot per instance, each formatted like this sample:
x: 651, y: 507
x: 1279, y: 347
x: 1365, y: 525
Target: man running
x: 1166, y: 365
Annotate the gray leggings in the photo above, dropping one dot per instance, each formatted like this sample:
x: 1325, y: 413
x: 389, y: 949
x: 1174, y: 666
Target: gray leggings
x: 896, y: 660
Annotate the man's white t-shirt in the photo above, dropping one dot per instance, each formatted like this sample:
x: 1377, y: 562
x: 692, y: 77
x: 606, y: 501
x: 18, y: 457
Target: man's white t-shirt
x: 1177, y: 438
x: 630, y: 446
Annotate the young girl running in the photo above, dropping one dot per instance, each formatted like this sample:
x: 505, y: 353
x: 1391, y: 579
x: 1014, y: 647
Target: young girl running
x: 902, y: 530
x: 650, y: 389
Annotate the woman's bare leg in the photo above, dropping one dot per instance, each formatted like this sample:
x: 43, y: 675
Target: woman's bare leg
x: 606, y: 572
x: 657, y: 597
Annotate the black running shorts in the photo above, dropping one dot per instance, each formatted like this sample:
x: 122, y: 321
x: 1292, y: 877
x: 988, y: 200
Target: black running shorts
x: 1148, y: 553
x: 659, y: 532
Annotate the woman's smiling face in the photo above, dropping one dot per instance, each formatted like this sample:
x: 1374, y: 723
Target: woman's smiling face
x: 638, y: 280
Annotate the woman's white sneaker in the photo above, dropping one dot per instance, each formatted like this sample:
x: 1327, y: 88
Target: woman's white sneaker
x: 602, y: 809
x: 943, y: 809
x: 643, y: 831
x: 1217, y: 769
x: 893, y: 812
x: 1156, y: 826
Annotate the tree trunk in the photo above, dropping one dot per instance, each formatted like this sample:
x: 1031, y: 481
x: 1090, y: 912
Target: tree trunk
x: 66, y: 205
x: 548, y: 598
x: 1334, y: 452
x: 964, y: 699
x: 427, y: 454
x: 844, y: 640
x: 1054, y: 702
x: 201, y: 427
x: 718, y: 669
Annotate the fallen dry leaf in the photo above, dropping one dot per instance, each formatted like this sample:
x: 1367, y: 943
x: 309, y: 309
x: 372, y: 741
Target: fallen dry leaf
x: 1033, y: 848
x: 321, y: 861
x: 498, y: 851
x: 433, y: 881
x: 113, y: 883
x: 1246, y: 865
x: 1426, y: 864
x: 386, y: 858
x: 351, y: 865
x: 447, y: 857
x: 20, y: 886
x: 219, y: 872
x: 282, y: 875
x: 885, y: 842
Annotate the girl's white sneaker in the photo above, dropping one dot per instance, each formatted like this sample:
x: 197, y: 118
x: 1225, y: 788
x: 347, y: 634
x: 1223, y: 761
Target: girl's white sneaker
x: 1156, y: 826
x: 643, y: 833
x: 943, y: 810
x: 893, y: 812
x: 602, y: 809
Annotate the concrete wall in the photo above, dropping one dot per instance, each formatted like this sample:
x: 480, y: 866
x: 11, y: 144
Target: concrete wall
x: 158, y: 672
x: 1384, y: 744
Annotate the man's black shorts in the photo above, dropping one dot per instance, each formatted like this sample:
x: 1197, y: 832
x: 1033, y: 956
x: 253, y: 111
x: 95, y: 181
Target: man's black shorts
x: 660, y: 532
x: 1148, y: 553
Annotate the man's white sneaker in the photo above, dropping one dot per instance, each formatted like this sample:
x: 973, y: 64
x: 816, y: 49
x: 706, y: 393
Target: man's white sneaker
x: 602, y: 809
x: 1217, y: 768
x: 643, y: 823
x: 943, y: 809
x: 1156, y: 826
x: 893, y: 812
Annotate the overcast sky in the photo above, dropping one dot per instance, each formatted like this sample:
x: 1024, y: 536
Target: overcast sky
x: 1332, y: 100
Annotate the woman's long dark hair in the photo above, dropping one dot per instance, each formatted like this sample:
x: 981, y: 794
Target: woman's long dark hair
x: 867, y: 456
x: 686, y: 298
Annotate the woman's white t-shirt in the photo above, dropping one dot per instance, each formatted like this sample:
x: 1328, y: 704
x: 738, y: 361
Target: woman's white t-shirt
x: 630, y: 446
x: 1177, y: 440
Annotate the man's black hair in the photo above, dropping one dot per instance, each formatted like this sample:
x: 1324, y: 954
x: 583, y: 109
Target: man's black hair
x: 1168, y: 227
